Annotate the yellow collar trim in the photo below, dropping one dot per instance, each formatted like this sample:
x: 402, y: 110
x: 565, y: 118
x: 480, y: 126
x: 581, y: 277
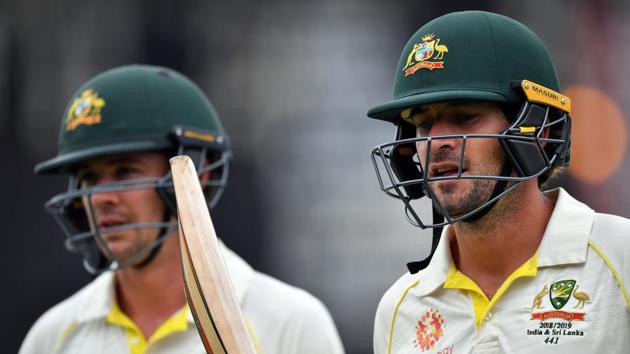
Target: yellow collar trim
x: 481, y: 304
x: 178, y: 322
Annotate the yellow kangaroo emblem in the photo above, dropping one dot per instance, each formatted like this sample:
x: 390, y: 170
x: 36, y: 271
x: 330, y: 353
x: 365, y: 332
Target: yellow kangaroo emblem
x: 411, y: 55
x: 539, y: 298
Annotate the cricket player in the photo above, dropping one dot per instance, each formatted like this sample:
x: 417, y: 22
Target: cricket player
x: 116, y: 137
x: 481, y: 127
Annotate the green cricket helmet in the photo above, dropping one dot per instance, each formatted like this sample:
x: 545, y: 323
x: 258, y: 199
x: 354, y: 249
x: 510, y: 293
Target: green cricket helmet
x: 131, y: 109
x: 473, y: 56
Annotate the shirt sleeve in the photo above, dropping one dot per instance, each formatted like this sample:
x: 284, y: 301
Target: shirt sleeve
x: 45, y: 335
x: 311, y: 330
x: 610, y: 238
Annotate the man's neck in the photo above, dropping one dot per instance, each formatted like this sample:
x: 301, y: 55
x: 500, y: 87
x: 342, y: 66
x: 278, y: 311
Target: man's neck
x: 153, y: 293
x: 492, y: 248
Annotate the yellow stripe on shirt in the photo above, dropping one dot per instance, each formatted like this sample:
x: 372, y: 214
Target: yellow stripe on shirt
x: 612, y: 270
x: 391, y: 325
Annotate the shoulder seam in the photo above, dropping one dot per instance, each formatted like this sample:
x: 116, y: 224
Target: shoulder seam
x: 61, y: 340
x: 612, y: 270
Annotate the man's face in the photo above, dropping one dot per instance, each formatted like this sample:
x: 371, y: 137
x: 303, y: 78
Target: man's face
x: 482, y: 156
x: 118, y: 208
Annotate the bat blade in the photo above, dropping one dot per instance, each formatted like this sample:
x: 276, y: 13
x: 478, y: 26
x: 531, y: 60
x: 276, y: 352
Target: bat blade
x: 209, y: 290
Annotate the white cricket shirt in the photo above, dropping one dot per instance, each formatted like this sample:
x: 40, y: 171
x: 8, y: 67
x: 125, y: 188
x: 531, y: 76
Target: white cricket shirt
x: 281, y: 318
x: 568, y: 298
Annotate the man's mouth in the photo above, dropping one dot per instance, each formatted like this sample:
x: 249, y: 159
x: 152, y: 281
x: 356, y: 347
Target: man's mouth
x: 110, y: 223
x: 445, y: 169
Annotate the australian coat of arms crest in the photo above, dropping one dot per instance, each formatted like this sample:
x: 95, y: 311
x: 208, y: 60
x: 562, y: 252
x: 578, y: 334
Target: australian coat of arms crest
x: 428, y: 54
x: 85, y: 110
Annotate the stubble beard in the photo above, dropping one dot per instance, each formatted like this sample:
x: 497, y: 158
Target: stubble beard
x: 458, y: 204
x: 461, y: 196
x: 124, y: 247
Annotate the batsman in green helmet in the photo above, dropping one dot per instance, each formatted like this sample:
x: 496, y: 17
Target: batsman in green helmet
x: 481, y: 126
x: 116, y: 136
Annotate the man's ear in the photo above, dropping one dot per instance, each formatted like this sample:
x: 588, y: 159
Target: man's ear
x: 206, y: 176
x: 546, y: 133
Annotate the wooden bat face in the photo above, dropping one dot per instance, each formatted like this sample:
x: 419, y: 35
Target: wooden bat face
x: 208, y: 287
x: 201, y: 313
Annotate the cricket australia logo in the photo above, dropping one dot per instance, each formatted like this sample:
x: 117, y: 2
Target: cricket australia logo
x: 85, y: 109
x: 557, y: 323
x: 560, y: 293
x: 422, y: 53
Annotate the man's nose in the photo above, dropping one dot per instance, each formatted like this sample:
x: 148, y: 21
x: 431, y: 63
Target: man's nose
x: 441, y: 128
x: 102, y: 200
x: 105, y: 198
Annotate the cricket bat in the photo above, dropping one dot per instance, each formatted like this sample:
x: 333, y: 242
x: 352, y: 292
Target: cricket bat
x: 209, y: 290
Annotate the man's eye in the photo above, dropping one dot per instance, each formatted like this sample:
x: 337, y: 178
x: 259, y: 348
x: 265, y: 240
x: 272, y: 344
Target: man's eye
x: 126, y: 172
x: 465, y: 117
x: 87, y: 179
x: 424, y: 126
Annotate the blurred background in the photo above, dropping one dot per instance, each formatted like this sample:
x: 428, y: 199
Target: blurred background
x: 292, y: 82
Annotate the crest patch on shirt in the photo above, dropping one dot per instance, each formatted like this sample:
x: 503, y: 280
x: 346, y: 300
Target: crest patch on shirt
x: 554, y: 307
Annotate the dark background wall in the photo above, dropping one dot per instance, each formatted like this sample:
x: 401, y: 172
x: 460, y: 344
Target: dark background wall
x: 292, y: 82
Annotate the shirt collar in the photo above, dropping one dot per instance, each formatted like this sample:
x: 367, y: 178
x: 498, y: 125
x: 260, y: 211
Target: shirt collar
x: 567, y: 234
x: 435, y: 274
x: 565, y: 241
x: 97, y: 298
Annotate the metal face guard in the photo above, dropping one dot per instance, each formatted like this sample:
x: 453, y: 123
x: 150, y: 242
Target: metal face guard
x: 84, y: 237
x: 401, y: 175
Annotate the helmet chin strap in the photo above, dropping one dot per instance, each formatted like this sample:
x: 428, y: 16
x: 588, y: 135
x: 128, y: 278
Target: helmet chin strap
x: 499, y: 187
x: 415, y: 267
x: 162, y: 233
